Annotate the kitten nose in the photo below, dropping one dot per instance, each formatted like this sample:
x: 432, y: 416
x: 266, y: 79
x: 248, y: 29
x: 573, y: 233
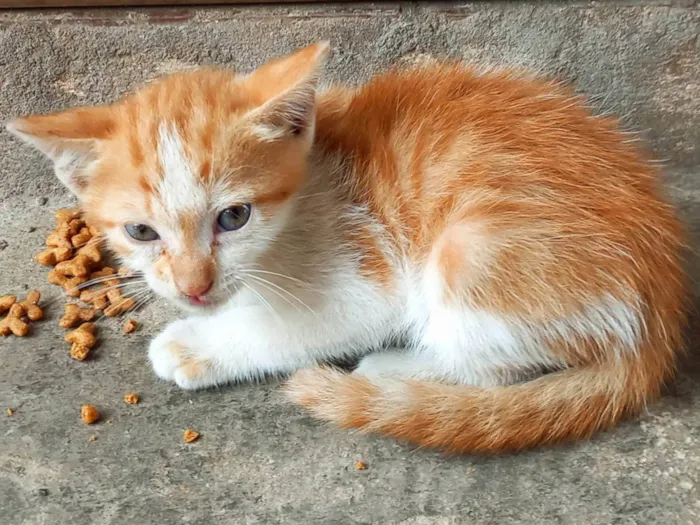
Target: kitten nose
x: 193, y: 274
x: 197, y: 289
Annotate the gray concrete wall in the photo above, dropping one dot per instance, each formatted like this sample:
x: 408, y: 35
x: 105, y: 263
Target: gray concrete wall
x: 260, y: 461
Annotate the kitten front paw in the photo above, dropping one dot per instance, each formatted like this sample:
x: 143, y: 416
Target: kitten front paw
x: 175, y: 359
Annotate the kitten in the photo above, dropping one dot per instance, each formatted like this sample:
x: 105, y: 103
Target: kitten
x: 487, y: 219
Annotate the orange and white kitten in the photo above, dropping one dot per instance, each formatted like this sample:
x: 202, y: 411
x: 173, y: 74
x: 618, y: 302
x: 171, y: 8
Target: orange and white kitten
x: 487, y: 221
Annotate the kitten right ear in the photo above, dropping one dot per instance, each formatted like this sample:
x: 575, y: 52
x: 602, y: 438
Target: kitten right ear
x: 70, y: 139
x: 288, y: 86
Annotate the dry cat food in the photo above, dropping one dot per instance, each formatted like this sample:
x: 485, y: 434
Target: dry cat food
x: 89, y: 414
x: 72, y: 273
x: 82, y: 340
x: 360, y: 465
x: 191, y: 436
x: 98, y: 296
x: 118, y: 303
x: 130, y: 326
x: 75, y: 314
x: 6, y: 302
x: 70, y: 251
x: 31, y: 306
x: 76, y: 260
x: 131, y: 399
x: 74, y: 252
x: 14, y: 323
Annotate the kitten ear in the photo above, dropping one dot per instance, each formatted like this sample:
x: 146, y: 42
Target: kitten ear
x: 70, y: 139
x: 288, y: 87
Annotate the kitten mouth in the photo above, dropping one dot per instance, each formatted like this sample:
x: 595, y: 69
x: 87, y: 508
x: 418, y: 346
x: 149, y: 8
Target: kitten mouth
x: 203, y: 302
x: 199, y: 300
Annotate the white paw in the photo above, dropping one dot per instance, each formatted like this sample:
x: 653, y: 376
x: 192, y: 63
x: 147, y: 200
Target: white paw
x: 175, y: 359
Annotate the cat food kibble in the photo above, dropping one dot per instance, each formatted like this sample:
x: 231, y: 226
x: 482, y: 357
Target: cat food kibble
x: 69, y: 284
x: 91, y: 252
x: 97, y: 298
x: 191, y: 436
x: 74, y: 315
x: 53, y: 256
x: 79, y: 352
x: 31, y: 306
x: 82, y: 340
x: 104, y: 272
x: 89, y: 414
x: 65, y: 215
x: 130, y: 326
x: 6, y: 302
x: 81, y: 238
x: 79, y: 266
x: 131, y: 399
x: 360, y: 465
x: 13, y: 323
x: 60, y: 237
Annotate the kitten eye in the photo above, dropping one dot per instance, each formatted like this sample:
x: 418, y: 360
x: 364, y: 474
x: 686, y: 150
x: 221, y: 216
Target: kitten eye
x: 141, y: 232
x: 234, y: 218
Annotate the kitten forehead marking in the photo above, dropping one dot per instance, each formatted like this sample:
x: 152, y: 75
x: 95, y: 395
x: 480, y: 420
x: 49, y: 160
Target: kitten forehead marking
x: 179, y: 188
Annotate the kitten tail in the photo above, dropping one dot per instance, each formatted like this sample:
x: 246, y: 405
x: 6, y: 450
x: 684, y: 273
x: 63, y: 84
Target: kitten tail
x: 569, y: 405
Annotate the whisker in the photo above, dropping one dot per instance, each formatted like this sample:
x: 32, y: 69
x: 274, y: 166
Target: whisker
x: 141, y: 303
x: 265, y: 283
x: 281, y: 296
x: 135, y: 296
x: 108, y: 288
x: 93, y: 240
x: 251, y: 270
x: 99, y: 280
x: 264, y: 301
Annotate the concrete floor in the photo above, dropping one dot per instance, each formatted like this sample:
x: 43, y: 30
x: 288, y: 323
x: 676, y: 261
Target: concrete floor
x: 260, y: 460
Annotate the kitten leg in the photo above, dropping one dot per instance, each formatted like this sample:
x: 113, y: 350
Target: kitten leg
x: 247, y: 343
x: 199, y: 352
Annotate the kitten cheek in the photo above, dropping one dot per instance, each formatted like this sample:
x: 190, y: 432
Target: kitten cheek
x: 121, y: 250
x: 161, y: 270
x: 160, y: 286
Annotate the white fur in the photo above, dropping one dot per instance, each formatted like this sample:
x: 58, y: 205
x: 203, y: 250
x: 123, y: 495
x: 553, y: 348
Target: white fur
x: 179, y: 187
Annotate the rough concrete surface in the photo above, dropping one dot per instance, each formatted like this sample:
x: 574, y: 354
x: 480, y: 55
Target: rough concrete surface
x: 260, y: 460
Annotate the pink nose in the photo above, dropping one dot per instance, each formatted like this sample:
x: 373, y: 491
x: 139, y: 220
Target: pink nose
x: 198, y: 289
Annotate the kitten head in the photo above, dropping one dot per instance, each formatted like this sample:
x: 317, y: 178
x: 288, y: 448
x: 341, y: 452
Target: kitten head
x: 191, y: 177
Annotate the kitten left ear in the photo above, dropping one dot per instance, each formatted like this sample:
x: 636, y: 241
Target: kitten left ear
x: 70, y: 139
x: 288, y: 86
